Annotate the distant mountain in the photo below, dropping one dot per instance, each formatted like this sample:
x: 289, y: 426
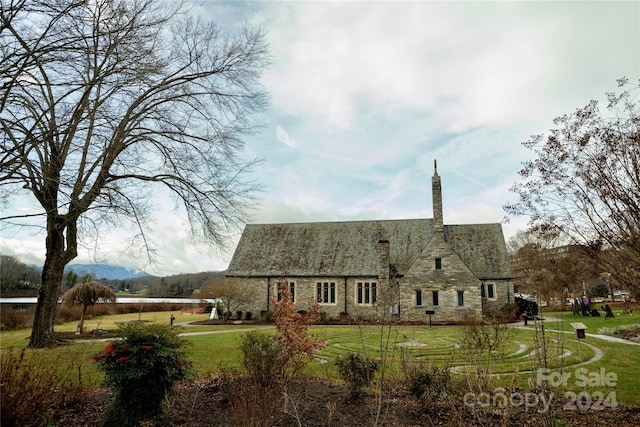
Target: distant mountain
x: 105, y: 271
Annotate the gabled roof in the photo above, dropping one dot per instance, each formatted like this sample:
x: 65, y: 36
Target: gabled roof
x: 350, y: 248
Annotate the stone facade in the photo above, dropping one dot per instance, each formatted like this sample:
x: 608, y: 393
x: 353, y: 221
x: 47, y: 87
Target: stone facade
x: 342, y: 298
x: 377, y: 269
x: 439, y: 269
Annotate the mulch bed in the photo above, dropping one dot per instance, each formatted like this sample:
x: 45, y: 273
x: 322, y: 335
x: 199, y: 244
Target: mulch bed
x: 86, y: 335
x: 317, y: 402
x: 628, y: 334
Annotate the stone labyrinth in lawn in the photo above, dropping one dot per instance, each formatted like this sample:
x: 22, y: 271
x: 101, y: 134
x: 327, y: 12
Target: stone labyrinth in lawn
x: 516, y: 355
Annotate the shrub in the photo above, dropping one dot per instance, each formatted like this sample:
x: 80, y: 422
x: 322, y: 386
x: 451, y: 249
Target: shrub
x: 34, y: 389
x: 261, y: 357
x: 12, y: 319
x: 428, y: 384
x: 292, y: 330
x: 141, y: 369
x: 483, y: 341
x: 505, y: 313
x: 249, y: 403
x: 67, y: 314
x: 357, y: 370
x: 345, y: 317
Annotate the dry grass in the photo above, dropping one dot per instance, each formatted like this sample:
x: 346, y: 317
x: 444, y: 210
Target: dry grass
x: 34, y: 390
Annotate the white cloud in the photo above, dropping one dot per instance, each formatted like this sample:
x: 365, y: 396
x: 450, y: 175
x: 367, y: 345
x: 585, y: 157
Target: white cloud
x: 284, y: 137
x: 29, y: 251
x: 369, y: 93
x: 341, y: 63
x: 390, y: 56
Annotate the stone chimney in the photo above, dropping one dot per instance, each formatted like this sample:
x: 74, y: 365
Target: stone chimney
x: 436, y: 194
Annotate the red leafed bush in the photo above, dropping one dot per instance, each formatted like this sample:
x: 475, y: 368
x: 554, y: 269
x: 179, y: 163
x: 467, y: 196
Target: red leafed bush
x: 293, y: 329
x: 141, y: 369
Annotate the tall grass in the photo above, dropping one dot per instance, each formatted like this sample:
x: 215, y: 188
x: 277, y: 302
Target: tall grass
x: 34, y: 389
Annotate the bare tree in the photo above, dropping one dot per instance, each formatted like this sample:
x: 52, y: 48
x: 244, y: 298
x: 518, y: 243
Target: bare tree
x: 103, y: 103
x: 231, y: 297
x: 88, y: 294
x: 585, y: 183
x: 15, y: 274
x: 546, y: 265
x: 531, y: 264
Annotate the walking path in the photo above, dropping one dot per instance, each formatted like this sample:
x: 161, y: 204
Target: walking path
x: 608, y: 338
x: 220, y: 331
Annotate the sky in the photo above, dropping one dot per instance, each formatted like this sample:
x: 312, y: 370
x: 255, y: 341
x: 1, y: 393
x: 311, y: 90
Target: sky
x: 365, y: 95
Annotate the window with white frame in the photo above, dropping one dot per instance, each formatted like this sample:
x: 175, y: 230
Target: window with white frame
x: 366, y: 293
x: 487, y: 290
x: 326, y: 292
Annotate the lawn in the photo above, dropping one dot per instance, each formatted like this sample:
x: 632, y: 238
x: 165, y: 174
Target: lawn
x: 594, y: 324
x: 516, y: 362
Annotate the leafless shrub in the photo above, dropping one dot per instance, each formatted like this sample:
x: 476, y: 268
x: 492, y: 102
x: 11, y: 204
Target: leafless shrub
x: 483, y: 341
x: 13, y: 319
x: 35, y: 389
x: 250, y: 404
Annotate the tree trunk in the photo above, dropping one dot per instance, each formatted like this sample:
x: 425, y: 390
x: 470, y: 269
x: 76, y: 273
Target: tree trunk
x: 56, y: 259
x: 81, y: 323
x: 48, y: 294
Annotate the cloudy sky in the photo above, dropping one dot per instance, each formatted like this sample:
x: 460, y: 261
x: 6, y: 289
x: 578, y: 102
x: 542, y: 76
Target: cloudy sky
x: 365, y: 95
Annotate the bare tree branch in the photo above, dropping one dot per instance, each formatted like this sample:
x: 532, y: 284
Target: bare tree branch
x: 585, y: 182
x: 103, y: 101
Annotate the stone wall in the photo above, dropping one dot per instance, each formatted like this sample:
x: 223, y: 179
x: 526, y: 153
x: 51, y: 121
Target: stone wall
x: 439, y: 268
x: 399, y: 299
x: 502, y: 294
x: 259, y: 291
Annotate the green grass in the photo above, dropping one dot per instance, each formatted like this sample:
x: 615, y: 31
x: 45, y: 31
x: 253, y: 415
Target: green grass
x: 593, y: 324
x: 211, y: 353
x: 439, y: 345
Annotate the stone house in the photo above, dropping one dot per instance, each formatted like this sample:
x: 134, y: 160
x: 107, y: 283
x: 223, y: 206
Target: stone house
x: 376, y: 269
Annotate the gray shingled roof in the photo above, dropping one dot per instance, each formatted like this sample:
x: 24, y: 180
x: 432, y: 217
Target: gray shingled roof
x: 350, y: 248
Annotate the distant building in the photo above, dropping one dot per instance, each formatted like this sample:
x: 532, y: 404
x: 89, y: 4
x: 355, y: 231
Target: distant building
x: 374, y: 268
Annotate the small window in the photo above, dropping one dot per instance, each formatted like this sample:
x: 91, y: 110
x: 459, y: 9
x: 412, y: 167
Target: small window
x: 434, y: 295
x: 487, y: 290
x: 326, y: 292
x: 438, y: 263
x: 292, y: 292
x: 460, y: 298
x: 366, y: 293
x: 418, y: 297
